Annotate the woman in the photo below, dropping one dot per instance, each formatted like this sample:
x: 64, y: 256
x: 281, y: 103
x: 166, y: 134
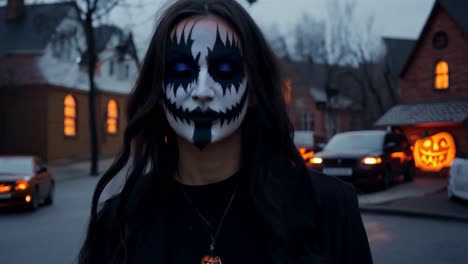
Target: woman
x: 216, y: 177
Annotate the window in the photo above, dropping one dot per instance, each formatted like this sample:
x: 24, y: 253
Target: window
x: 69, y: 128
x: 127, y: 71
x: 441, y: 81
x: 307, y: 121
x: 440, y: 40
x: 112, y: 116
x: 111, y: 68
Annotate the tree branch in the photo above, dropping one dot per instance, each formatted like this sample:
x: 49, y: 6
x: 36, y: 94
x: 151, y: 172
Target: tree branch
x: 104, y: 11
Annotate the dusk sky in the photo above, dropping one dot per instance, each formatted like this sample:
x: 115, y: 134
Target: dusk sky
x: 396, y: 18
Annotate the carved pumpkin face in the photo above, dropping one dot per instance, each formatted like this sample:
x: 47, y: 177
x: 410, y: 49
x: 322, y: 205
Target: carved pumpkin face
x: 435, y: 152
x: 211, y: 260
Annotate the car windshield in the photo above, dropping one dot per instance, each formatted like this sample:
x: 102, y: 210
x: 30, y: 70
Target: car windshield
x: 16, y: 166
x: 353, y: 141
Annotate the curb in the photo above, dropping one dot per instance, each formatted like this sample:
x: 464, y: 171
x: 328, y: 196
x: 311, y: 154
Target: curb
x: 412, y: 213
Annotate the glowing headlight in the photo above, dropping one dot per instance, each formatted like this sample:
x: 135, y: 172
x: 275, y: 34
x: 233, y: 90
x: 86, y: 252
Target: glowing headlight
x: 371, y: 160
x: 21, y: 185
x: 317, y: 160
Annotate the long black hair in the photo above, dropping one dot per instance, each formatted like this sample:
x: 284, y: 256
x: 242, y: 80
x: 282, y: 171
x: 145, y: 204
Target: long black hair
x: 268, y: 152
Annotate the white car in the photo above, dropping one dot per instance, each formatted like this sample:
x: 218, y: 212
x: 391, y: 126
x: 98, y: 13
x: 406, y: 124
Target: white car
x: 458, y: 179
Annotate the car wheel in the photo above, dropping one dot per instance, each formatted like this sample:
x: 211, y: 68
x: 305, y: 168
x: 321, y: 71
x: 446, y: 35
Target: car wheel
x: 34, y: 204
x: 386, y: 179
x: 409, y: 173
x: 50, y: 196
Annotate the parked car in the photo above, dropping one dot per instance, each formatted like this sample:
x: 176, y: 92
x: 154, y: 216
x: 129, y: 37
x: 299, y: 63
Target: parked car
x: 364, y: 157
x: 458, y: 179
x: 24, y: 180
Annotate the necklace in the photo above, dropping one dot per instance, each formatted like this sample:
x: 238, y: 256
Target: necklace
x: 211, y: 257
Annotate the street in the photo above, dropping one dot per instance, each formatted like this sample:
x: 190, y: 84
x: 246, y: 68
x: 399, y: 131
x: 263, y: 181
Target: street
x: 53, y: 234
x: 409, y: 240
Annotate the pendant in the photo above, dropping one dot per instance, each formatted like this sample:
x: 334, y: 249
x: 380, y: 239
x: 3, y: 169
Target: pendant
x: 211, y: 259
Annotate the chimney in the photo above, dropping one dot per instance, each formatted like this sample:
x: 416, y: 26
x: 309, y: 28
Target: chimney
x: 15, y: 9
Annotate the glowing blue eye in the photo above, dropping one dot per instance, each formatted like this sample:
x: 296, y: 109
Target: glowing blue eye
x: 225, y: 67
x: 181, y: 67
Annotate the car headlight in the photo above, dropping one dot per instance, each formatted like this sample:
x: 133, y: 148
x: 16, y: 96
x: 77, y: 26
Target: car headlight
x: 370, y: 160
x: 21, y: 185
x: 316, y: 160
x: 5, y: 188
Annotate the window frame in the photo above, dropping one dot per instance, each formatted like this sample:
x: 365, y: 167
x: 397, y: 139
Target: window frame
x: 436, y: 75
x: 75, y: 117
x: 307, y: 121
x: 116, y: 118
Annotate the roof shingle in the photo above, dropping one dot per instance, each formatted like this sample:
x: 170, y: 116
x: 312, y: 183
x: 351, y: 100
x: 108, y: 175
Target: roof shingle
x: 430, y: 112
x: 457, y: 10
x: 32, y: 32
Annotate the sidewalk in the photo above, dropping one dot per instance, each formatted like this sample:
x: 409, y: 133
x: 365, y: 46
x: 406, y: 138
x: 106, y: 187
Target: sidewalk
x: 68, y: 170
x: 421, y: 198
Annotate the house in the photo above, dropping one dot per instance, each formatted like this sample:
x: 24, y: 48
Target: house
x: 433, y: 108
x: 44, y: 83
x: 311, y: 107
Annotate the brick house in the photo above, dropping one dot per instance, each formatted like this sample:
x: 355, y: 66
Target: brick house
x: 311, y: 107
x: 434, y: 89
x: 44, y: 84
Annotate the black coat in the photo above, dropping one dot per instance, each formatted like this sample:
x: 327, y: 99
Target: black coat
x: 330, y: 232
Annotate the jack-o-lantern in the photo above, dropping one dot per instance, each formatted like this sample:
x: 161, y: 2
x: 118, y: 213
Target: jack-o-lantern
x: 435, y: 152
x: 211, y: 260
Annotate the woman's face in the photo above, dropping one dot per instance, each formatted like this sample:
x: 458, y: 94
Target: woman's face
x: 205, y: 85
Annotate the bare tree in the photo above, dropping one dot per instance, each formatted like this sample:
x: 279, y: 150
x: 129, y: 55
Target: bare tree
x: 310, y: 40
x: 367, y: 51
x: 89, y: 13
x: 277, y: 41
x: 347, y: 50
x: 327, y: 44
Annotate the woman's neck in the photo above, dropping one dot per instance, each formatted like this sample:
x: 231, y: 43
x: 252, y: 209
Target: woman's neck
x: 216, y: 162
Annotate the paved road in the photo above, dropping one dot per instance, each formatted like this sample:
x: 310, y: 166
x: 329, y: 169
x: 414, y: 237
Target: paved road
x: 53, y: 234
x: 414, y: 240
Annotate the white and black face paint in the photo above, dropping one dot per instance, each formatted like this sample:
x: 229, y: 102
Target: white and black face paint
x: 205, y: 86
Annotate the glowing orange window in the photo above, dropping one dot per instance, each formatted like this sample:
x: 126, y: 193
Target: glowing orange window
x: 441, y: 81
x: 69, y: 112
x: 112, y: 116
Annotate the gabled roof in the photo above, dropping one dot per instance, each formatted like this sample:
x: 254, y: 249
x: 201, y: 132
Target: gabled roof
x: 428, y: 112
x: 398, y: 50
x: 104, y: 33
x: 457, y: 9
x: 32, y: 31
